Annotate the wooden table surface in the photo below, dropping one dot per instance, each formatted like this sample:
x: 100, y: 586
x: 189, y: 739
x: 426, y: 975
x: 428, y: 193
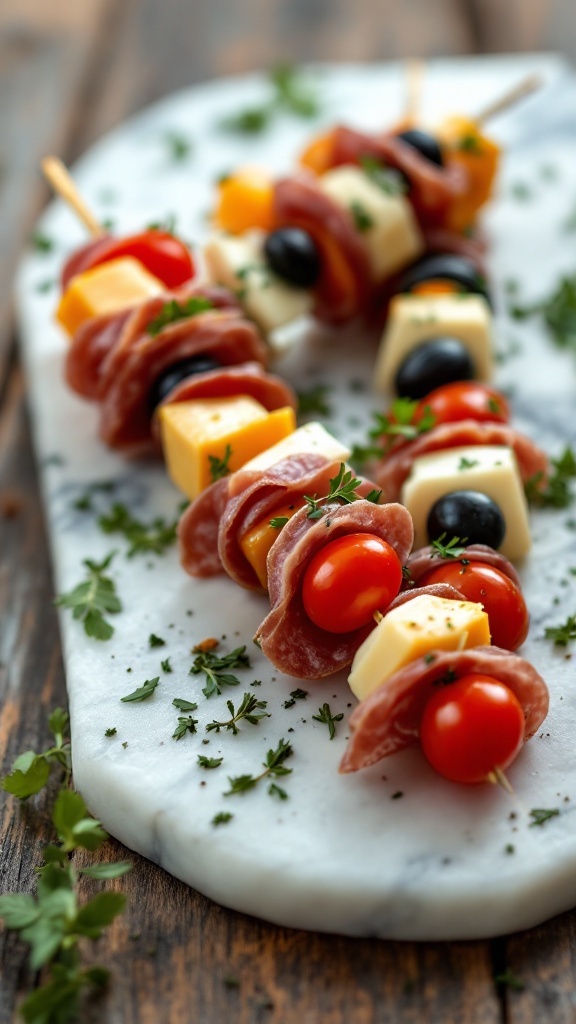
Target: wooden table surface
x: 69, y: 71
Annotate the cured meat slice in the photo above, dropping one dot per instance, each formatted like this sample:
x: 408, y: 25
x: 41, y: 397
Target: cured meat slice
x: 389, y: 719
x: 198, y: 531
x: 424, y: 560
x: 81, y: 259
x: 392, y: 470
x: 444, y: 590
x: 287, y: 636
x: 346, y: 278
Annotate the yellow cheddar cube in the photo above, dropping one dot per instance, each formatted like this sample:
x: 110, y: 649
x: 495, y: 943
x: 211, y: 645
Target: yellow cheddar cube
x: 108, y: 288
x: 210, y: 437
x: 256, y: 543
x: 411, y: 630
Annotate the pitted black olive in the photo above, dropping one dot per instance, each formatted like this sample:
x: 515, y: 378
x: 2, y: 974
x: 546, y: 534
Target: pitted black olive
x: 467, y: 514
x: 426, y: 144
x: 445, y: 267
x: 293, y: 254
x: 435, y: 362
x: 175, y: 374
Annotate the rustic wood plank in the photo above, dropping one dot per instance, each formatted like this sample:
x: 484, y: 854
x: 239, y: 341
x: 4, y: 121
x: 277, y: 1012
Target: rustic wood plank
x: 543, y: 961
x: 517, y: 26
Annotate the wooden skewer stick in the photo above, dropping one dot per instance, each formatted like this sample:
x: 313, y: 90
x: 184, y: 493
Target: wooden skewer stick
x: 63, y: 184
x: 497, y: 778
x: 510, y: 97
x: 414, y: 83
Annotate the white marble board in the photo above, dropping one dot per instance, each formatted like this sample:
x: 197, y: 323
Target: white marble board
x: 341, y: 853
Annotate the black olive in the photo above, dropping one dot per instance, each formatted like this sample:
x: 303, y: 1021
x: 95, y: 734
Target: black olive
x: 426, y: 144
x: 175, y: 374
x: 435, y: 362
x: 467, y: 514
x: 293, y: 255
x: 445, y: 266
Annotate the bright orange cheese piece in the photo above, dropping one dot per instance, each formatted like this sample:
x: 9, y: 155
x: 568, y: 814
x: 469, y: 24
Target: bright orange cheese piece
x: 317, y: 156
x: 245, y: 200
x: 464, y: 145
x: 256, y: 543
x: 108, y: 288
x: 210, y: 437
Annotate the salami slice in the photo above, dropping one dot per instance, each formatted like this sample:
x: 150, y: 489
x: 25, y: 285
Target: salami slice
x: 88, y: 349
x: 393, y: 469
x: 389, y: 719
x: 287, y: 636
x: 81, y: 259
x: 444, y: 590
x: 424, y: 560
x: 198, y: 531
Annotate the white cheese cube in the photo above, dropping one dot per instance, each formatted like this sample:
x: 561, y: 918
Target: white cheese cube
x: 408, y: 632
x: 491, y: 469
x: 413, y: 319
x: 386, y: 221
x: 238, y: 264
x: 310, y: 438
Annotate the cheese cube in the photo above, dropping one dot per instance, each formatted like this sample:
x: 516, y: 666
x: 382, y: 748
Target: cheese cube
x: 196, y: 432
x: 312, y: 437
x: 238, y: 264
x: 491, y: 469
x: 257, y: 541
x: 413, y: 319
x: 411, y: 630
x: 108, y: 288
x: 386, y: 221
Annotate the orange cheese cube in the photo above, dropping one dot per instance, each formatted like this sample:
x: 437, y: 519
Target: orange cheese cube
x: 245, y: 200
x: 256, y: 543
x: 211, y: 437
x: 108, y: 288
x: 465, y: 146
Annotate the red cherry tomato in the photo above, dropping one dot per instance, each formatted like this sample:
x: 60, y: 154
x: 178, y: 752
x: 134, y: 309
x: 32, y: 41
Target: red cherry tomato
x: 348, y: 580
x: 502, y: 599
x: 465, y: 400
x: 470, y: 727
x: 161, y: 253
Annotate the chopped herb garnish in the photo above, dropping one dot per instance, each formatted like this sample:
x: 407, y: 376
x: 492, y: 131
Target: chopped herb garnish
x: 90, y: 600
x: 553, y: 491
x: 313, y: 401
x: 325, y: 715
x: 294, y: 696
x: 289, y: 94
x: 429, y: 658
x: 388, y: 179
x: 185, y: 724
x: 173, y: 311
x: 41, y: 242
x: 209, y: 762
x: 521, y: 191
x: 144, y: 538
x: 453, y: 549
x: 363, y: 453
x: 273, y: 766
x: 562, y: 635
x: 362, y: 219
x: 246, y: 711
x: 540, y: 815
x: 111, y: 732
x: 142, y: 692
x: 184, y: 705
x: 470, y: 143
x: 220, y: 467
x: 166, y: 666
x: 156, y: 641
x: 179, y: 147
x: 278, y: 522
x: 467, y: 463
x: 215, y: 669
x: 558, y: 311
x: 343, y: 488
x: 222, y: 818
x: 404, y: 420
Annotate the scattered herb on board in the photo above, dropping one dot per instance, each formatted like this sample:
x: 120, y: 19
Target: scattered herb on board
x: 387, y: 179
x: 184, y: 705
x: 185, y: 724
x: 510, y: 980
x: 166, y: 666
x: 247, y: 711
x: 111, y: 731
x: 209, y: 762
x: 31, y: 771
x: 173, y: 311
x: 313, y: 401
x: 562, y: 635
x: 290, y: 94
x: 521, y: 191
x: 91, y: 600
x: 41, y: 242
x: 558, y: 311
x: 554, y: 491
x: 294, y: 696
x: 273, y: 767
x: 215, y: 668
x: 404, y: 420
x: 222, y: 818
x: 143, y: 538
x: 325, y: 715
x: 220, y: 467
x: 156, y: 641
x: 362, y: 219
x: 179, y: 146
x: 142, y: 692
x: 540, y: 815
x: 453, y: 549
x: 343, y: 488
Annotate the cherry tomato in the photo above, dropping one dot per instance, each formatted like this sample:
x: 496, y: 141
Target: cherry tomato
x: 161, y: 253
x: 470, y: 727
x: 464, y: 400
x: 502, y: 599
x: 348, y: 580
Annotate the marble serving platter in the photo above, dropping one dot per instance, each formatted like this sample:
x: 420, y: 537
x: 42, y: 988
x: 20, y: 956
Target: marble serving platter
x: 394, y: 851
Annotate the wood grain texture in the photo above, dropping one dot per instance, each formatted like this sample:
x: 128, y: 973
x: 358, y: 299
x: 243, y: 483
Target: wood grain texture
x: 68, y: 72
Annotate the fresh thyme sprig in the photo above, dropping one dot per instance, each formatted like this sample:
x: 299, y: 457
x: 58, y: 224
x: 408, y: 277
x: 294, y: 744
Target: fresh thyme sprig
x: 453, y: 549
x: 562, y: 635
x: 173, y: 311
x: 219, y: 467
x: 273, y: 766
x: 31, y: 771
x: 89, y: 600
x: 402, y: 422
x: 325, y: 715
x: 215, y: 668
x: 343, y: 488
x: 553, y: 491
x: 246, y: 711
x: 185, y: 724
x: 144, y: 538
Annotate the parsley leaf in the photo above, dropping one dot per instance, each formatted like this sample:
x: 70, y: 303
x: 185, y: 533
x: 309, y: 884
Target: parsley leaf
x: 144, y: 538
x: 173, y: 311
x: 30, y: 771
x: 325, y: 715
x: 215, y: 669
x: 246, y: 711
x: 219, y: 467
x: 562, y: 635
x: 142, y: 692
x: 90, y: 600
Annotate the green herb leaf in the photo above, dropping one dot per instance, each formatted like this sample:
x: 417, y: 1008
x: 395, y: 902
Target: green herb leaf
x: 294, y: 696
x: 142, y: 692
x: 173, y: 311
x: 362, y: 219
x: 156, y: 641
x: 313, y: 401
x: 540, y: 815
x: 179, y: 147
x: 166, y: 666
x: 553, y: 491
x: 41, y: 242
x: 185, y: 724
x: 184, y: 705
x: 273, y: 766
x: 222, y: 818
x: 342, y: 488
x: 89, y: 601
x: 73, y: 824
x: 215, y: 668
x: 219, y: 467
x: 99, y: 912
x: 562, y: 635
x: 209, y: 762
x: 404, y: 420
x: 143, y: 538
x: 388, y: 179
x: 325, y: 715
x: 246, y: 711
x: 278, y: 522
x: 510, y: 980
x: 455, y: 547
x: 29, y: 774
x: 112, y: 869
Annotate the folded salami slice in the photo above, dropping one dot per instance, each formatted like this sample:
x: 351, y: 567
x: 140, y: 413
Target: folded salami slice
x: 392, y: 470
x: 198, y: 531
x: 287, y: 636
x: 81, y: 259
x: 389, y: 719
x: 444, y: 590
x: 346, y: 278
x: 424, y: 560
